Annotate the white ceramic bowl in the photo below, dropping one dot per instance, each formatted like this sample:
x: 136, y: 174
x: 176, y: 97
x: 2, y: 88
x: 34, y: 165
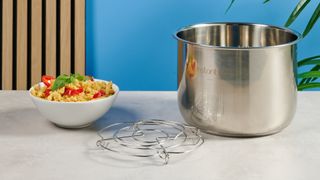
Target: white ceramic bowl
x: 74, y: 114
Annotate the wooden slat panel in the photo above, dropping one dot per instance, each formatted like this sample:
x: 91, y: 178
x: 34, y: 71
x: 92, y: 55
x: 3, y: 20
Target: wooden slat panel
x: 35, y: 53
x: 22, y: 14
x: 80, y: 36
x: 65, y: 36
x: 36, y: 41
x: 7, y: 20
x: 51, y: 37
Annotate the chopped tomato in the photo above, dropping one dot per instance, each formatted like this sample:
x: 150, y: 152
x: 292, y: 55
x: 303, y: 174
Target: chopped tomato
x: 47, y: 80
x: 47, y: 92
x: 72, y: 92
x: 99, y: 94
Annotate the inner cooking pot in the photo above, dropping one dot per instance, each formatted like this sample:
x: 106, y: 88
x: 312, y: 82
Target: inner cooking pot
x: 236, y: 35
x: 237, y: 79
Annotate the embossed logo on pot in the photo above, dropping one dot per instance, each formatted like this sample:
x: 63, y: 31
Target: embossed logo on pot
x: 207, y: 70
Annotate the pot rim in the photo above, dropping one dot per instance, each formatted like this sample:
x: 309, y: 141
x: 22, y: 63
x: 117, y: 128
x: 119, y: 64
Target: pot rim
x: 295, y: 33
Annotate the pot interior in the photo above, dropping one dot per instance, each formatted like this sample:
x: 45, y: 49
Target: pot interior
x: 236, y: 35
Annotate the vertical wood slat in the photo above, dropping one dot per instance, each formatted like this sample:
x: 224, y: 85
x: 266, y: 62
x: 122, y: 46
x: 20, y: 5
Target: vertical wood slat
x: 7, y: 36
x: 51, y: 37
x: 22, y: 13
x: 65, y: 36
x: 28, y: 50
x: 80, y: 36
x: 36, y: 34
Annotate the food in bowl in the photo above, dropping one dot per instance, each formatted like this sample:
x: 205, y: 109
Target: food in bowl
x: 73, y: 88
x: 74, y: 114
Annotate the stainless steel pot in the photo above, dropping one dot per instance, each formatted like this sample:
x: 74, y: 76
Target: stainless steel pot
x: 237, y: 79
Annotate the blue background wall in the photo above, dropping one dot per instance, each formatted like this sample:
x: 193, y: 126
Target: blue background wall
x: 130, y: 41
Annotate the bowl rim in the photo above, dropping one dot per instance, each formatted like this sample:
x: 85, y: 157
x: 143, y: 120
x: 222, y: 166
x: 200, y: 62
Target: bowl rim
x: 114, y: 86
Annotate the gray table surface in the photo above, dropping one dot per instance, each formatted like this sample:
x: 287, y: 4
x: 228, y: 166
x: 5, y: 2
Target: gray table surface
x: 33, y: 148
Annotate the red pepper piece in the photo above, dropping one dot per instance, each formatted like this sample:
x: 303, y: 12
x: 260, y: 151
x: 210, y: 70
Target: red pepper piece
x: 99, y: 94
x: 67, y: 91
x: 47, y: 92
x: 72, y: 92
x: 47, y: 80
x: 96, y: 95
x: 102, y: 92
x: 80, y: 90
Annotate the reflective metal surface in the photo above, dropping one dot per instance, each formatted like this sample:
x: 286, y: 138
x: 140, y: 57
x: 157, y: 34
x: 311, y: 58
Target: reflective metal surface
x: 237, y: 79
x: 152, y: 138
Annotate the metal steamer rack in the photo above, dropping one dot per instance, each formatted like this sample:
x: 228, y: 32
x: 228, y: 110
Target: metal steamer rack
x: 152, y: 138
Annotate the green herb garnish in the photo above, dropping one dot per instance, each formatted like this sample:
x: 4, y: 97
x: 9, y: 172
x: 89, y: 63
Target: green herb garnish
x: 79, y: 77
x: 63, y: 79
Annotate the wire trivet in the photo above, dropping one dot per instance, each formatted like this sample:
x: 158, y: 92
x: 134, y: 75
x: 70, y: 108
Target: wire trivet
x: 150, y: 138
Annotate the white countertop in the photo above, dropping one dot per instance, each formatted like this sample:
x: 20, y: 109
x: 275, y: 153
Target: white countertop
x: 33, y: 148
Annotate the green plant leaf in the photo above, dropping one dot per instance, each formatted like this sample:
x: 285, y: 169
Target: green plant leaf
x: 313, y: 79
x: 312, y: 62
x: 308, y: 80
x: 265, y: 1
x: 58, y: 84
x: 62, y: 80
x: 308, y: 86
x: 309, y: 74
x: 306, y: 60
x: 230, y: 5
x: 315, y: 16
x: 309, y: 61
x: 297, y: 10
x: 80, y: 77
